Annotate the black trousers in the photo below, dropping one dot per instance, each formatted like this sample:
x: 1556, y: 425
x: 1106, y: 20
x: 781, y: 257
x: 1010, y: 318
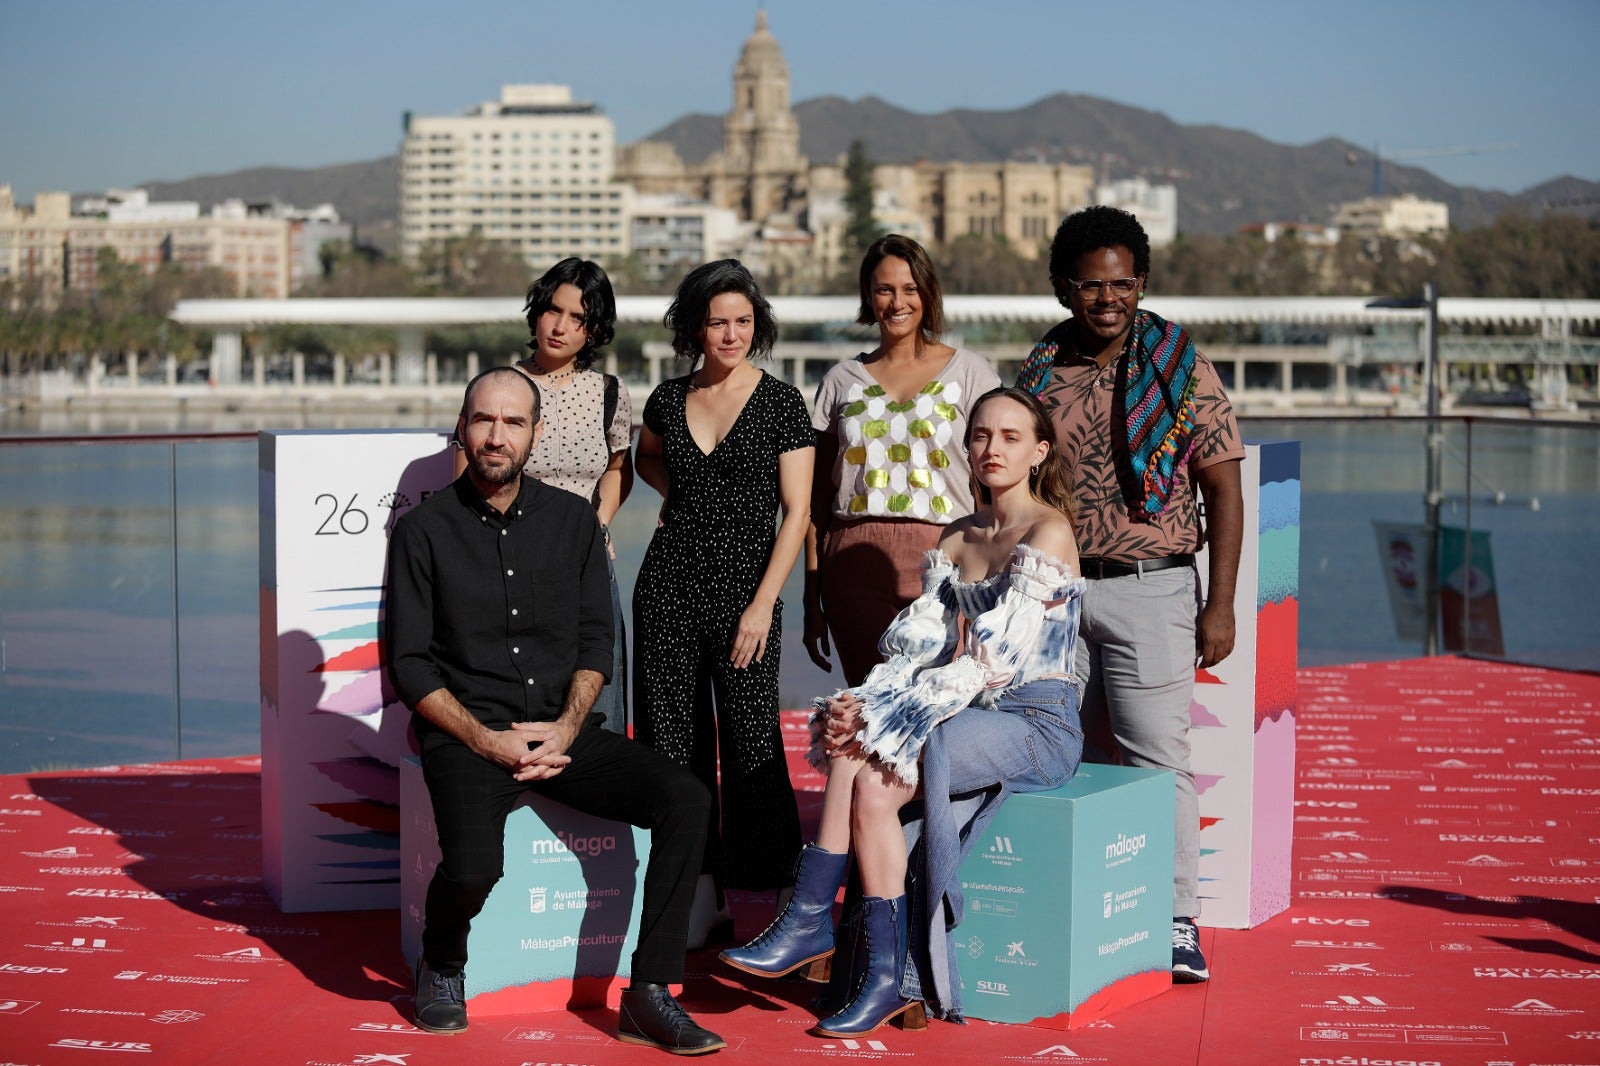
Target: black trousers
x: 610, y: 776
x: 693, y: 705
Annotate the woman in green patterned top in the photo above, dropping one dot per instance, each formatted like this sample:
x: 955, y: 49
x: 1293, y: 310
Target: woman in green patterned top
x: 890, y: 469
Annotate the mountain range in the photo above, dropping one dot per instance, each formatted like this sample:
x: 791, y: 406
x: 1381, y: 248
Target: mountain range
x: 1226, y: 178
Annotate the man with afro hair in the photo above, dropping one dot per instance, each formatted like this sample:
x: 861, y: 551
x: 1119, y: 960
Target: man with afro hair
x: 1144, y: 424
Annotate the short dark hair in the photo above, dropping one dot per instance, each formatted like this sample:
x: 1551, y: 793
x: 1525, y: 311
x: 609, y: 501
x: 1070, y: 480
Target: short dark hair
x: 599, y: 303
x: 922, y: 272
x: 691, y: 305
x: 1094, y: 228
x: 495, y: 371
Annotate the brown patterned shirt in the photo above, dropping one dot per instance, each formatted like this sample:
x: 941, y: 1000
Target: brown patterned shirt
x: 1080, y: 400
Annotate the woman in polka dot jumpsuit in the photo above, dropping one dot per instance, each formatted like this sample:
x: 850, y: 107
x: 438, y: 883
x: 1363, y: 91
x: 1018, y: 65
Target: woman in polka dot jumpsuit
x: 729, y: 446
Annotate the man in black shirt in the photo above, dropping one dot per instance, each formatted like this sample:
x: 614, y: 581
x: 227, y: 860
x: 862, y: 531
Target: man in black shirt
x: 498, y: 630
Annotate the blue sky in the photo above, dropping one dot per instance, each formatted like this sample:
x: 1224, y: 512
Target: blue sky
x: 96, y: 94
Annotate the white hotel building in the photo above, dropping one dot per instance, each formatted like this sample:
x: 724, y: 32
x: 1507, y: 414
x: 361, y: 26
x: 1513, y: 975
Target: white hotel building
x: 532, y: 170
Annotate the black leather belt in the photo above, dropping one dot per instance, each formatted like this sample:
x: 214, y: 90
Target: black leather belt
x: 1094, y: 567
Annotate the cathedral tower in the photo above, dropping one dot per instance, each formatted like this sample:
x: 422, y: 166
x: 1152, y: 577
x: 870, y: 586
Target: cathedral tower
x: 761, y: 159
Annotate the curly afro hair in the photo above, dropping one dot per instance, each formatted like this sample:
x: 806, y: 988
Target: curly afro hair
x: 1094, y: 228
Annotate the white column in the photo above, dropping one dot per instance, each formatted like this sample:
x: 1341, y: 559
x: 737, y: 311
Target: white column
x: 227, y: 350
x: 655, y: 352
x: 409, y: 358
x: 338, y: 370
x: 133, y: 368
x: 298, y: 360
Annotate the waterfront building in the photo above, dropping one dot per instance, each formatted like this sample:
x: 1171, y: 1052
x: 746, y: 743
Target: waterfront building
x: 266, y: 249
x: 670, y: 235
x: 533, y: 170
x: 1019, y: 201
x: 1155, y: 206
x: 309, y: 230
x: 1393, y: 216
x: 895, y: 209
x: 937, y: 203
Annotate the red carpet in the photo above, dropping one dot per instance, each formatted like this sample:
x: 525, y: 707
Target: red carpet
x: 1447, y: 873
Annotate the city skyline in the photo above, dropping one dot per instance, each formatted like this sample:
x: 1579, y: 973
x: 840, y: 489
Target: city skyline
x: 94, y: 98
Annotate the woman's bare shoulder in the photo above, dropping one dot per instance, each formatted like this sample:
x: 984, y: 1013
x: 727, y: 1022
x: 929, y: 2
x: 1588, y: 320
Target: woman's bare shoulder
x: 1052, y: 534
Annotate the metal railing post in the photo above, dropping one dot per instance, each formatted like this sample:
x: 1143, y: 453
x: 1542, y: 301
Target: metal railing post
x: 1432, y: 493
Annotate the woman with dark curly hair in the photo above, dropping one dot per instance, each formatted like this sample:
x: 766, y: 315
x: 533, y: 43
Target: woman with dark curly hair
x: 586, y: 416
x: 730, y: 447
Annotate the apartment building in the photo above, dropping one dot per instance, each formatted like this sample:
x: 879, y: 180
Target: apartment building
x: 671, y: 235
x: 57, y: 249
x: 532, y: 169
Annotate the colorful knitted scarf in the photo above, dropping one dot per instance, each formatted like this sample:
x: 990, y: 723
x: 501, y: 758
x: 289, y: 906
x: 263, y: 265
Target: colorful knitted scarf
x: 1156, y: 380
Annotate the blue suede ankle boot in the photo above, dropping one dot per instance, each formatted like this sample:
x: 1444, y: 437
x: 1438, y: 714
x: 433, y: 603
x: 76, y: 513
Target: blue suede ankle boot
x: 802, y: 934
x: 879, y: 960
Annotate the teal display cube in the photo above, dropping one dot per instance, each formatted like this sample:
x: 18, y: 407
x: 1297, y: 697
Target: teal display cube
x: 559, y: 929
x: 1068, y: 901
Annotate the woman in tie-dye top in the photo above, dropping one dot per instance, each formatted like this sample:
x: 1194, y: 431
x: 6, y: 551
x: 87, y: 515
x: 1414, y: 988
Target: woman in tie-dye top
x: 891, y: 472
x: 976, y: 695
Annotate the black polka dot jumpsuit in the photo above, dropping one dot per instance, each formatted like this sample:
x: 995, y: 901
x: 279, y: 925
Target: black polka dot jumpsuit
x: 701, y: 570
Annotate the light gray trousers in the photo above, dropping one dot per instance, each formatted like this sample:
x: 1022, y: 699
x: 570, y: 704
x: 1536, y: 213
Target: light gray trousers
x: 1136, y: 655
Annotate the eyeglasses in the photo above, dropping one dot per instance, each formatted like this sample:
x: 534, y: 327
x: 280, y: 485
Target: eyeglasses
x: 1094, y: 287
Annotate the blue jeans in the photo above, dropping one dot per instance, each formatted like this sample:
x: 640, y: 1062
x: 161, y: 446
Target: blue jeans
x: 1030, y: 741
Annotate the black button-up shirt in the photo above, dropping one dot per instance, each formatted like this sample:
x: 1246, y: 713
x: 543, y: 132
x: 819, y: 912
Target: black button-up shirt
x: 499, y: 609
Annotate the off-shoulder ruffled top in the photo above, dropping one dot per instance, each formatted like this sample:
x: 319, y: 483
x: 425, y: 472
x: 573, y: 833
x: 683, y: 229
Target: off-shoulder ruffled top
x: 1023, y: 625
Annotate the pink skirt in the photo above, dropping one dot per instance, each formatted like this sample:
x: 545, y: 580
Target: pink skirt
x: 871, y: 571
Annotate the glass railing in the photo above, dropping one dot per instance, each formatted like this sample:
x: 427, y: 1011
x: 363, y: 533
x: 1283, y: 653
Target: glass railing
x: 127, y: 600
x: 1532, y: 486
x: 129, y: 580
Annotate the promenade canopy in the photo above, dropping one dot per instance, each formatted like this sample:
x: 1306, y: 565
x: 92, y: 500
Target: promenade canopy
x: 427, y: 312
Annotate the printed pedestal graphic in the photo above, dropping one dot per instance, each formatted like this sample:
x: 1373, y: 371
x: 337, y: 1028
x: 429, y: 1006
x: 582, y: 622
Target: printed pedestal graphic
x: 332, y: 730
x: 1068, y: 901
x: 1242, y: 717
x: 560, y: 927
